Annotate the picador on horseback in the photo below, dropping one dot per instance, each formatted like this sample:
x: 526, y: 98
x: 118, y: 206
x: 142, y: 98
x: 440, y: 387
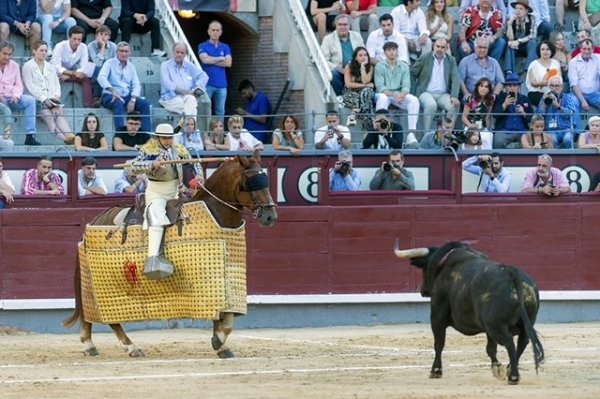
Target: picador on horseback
x: 165, y: 182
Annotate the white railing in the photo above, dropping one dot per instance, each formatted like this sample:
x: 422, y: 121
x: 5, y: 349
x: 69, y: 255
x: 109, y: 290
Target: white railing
x: 172, y: 25
x: 303, y: 25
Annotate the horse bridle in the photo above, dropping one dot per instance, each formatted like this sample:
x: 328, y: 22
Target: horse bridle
x: 256, y: 182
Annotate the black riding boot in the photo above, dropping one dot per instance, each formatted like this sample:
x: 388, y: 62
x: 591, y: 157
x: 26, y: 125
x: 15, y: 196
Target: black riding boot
x: 30, y: 140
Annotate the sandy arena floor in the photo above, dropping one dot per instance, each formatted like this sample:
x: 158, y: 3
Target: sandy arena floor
x: 337, y: 362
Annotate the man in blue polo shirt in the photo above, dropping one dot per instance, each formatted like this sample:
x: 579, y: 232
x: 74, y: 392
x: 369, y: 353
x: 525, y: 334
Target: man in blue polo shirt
x: 257, y: 110
x: 215, y: 56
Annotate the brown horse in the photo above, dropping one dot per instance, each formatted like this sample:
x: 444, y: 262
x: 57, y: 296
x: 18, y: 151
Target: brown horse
x: 236, y: 184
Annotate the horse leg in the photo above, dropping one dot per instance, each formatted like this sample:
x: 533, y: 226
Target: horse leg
x: 132, y: 350
x: 221, y: 330
x: 85, y: 335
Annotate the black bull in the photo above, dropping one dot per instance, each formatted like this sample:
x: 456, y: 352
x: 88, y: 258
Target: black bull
x: 474, y: 294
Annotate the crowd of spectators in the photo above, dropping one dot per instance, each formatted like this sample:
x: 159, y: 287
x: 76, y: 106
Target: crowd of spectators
x: 507, y: 65
x: 475, y: 89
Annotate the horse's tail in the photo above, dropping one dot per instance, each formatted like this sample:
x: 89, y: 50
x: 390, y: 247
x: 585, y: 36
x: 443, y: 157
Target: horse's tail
x: 78, y: 312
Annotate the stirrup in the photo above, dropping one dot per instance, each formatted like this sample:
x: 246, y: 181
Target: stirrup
x: 156, y: 267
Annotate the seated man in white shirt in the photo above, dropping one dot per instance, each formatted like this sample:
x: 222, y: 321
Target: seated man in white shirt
x: 409, y: 20
x: 71, y: 60
x: 332, y: 136
x: 238, y: 138
x: 386, y: 33
x: 88, y: 182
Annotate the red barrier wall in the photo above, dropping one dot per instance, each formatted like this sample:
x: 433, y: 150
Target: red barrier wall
x: 341, y: 249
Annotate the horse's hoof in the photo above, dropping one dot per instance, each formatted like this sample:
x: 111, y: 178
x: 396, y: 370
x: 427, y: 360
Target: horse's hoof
x: 216, y: 342
x: 137, y: 353
x: 435, y: 373
x: 91, y: 351
x: 225, y: 354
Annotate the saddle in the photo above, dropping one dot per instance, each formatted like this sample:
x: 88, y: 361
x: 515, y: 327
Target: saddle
x: 135, y: 214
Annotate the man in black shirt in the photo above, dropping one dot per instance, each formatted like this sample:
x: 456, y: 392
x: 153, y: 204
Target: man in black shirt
x: 138, y: 16
x: 90, y: 14
x: 130, y: 138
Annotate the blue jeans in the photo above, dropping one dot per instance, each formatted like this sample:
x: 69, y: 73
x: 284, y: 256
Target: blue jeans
x: 118, y: 109
x: 562, y: 136
x: 544, y: 29
x: 217, y: 97
x: 26, y: 103
x: 46, y: 19
x: 337, y: 82
x: 527, y: 49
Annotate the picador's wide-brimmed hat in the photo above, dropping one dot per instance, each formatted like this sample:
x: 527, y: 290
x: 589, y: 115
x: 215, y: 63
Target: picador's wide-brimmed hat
x: 524, y: 3
x: 164, y: 130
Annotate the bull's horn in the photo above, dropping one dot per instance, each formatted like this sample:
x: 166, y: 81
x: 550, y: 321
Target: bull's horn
x: 409, y: 253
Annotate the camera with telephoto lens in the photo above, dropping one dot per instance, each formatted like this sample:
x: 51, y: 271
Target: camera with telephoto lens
x: 388, y: 166
x: 549, y: 99
x: 457, y: 138
x: 483, y: 164
x: 344, y: 167
x: 384, y: 124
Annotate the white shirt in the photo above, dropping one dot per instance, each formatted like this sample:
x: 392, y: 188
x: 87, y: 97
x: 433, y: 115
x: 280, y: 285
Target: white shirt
x: 332, y: 143
x: 64, y: 58
x: 97, y: 181
x: 246, y: 142
x: 42, y: 85
x: 377, y: 39
x: 437, y: 83
x: 6, y: 180
x: 411, y: 26
x: 56, y: 11
x: 585, y: 74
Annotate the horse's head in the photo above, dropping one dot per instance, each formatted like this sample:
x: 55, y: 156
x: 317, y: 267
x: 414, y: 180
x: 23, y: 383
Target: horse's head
x: 241, y: 183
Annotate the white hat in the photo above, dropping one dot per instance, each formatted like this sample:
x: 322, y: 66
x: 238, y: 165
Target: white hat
x: 164, y: 130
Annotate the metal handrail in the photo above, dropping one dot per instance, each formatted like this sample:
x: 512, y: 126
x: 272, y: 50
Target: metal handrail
x: 317, y: 57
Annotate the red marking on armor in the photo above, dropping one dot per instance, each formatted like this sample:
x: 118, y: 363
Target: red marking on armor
x: 130, y: 272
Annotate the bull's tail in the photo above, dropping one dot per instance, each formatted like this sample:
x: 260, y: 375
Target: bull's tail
x: 538, y: 349
x: 78, y: 312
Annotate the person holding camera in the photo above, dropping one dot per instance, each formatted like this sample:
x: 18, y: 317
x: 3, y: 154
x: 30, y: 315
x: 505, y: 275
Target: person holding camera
x: 492, y: 176
x: 441, y: 137
x: 513, y: 111
x: 545, y: 179
x: 387, y: 134
x: 392, y: 175
x: 561, y: 114
x: 342, y: 177
x: 332, y: 136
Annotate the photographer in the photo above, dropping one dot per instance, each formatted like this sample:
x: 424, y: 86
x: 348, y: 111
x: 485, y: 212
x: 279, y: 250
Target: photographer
x: 392, y: 175
x: 561, y: 114
x: 545, y: 179
x: 492, y: 176
x: 439, y: 139
x: 332, y: 136
x: 513, y: 111
x: 386, y: 135
x: 342, y: 177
